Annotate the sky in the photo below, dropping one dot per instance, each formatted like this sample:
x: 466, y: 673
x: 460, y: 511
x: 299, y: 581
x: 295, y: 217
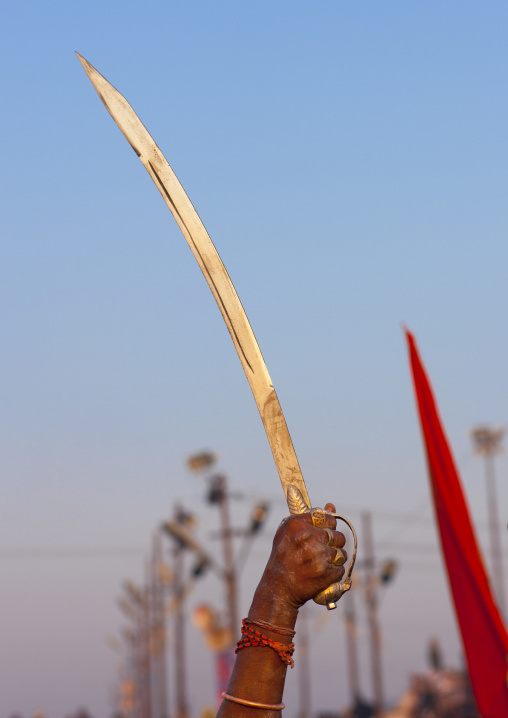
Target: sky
x: 349, y: 160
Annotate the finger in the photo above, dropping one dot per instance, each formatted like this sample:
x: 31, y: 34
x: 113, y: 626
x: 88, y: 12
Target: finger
x: 334, y: 573
x: 335, y: 539
x: 322, y: 519
x: 331, y: 508
x: 338, y: 556
x: 341, y: 570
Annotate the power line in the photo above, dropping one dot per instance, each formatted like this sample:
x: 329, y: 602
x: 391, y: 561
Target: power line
x: 100, y: 552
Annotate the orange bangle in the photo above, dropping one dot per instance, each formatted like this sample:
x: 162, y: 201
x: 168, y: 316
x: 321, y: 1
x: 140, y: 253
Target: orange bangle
x: 270, y: 627
x: 252, y: 704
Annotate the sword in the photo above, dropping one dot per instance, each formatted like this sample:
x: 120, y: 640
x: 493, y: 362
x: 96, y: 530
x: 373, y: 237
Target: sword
x: 229, y: 305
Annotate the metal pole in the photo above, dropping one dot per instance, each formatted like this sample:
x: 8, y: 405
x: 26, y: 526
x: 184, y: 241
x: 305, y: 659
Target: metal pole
x: 133, y: 673
x: 303, y: 663
x: 227, y: 543
x: 159, y: 629
x: 487, y: 442
x: 219, y: 494
x: 495, y: 533
x: 133, y: 639
x: 140, y: 650
x: 153, y: 684
x: 140, y: 661
x: 352, y: 647
x: 372, y: 615
x: 147, y: 657
x: 179, y: 629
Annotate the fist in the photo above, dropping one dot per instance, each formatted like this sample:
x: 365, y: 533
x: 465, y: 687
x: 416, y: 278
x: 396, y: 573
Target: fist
x: 305, y: 558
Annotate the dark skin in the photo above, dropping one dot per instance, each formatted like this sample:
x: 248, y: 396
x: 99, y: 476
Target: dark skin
x: 299, y: 567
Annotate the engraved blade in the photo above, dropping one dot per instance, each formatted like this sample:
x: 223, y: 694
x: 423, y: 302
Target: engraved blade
x: 215, y: 274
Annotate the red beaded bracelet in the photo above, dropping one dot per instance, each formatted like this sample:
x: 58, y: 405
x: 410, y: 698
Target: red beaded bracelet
x: 252, y: 639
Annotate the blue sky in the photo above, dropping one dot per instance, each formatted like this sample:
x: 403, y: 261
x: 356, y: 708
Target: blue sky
x: 350, y: 163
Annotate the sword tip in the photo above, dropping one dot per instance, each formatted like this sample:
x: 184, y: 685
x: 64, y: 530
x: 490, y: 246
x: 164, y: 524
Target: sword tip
x: 86, y: 65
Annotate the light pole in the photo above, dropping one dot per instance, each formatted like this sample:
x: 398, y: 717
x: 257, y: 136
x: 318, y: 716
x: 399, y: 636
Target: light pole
x: 160, y: 709
x: 218, y: 494
x: 303, y: 663
x: 487, y: 443
x: 352, y: 646
x: 125, y: 694
x: 134, y: 604
x: 221, y: 635
x: 178, y: 529
x: 371, y: 599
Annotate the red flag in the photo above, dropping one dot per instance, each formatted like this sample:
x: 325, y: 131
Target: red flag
x: 483, y: 633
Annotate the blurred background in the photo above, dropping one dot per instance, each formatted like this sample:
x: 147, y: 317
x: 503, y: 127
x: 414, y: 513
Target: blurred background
x: 350, y: 164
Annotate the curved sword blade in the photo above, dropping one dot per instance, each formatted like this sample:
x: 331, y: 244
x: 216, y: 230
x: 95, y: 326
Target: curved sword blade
x: 215, y: 274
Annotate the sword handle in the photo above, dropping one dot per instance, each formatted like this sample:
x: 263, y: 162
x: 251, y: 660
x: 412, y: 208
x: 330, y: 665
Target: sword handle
x: 333, y: 593
x: 330, y: 596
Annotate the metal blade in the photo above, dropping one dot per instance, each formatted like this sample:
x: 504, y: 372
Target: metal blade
x: 215, y: 274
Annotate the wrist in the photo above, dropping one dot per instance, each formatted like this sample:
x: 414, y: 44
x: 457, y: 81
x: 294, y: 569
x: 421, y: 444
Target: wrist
x: 269, y: 605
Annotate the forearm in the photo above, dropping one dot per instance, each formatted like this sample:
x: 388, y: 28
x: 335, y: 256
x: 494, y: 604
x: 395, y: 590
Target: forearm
x: 302, y: 563
x: 259, y: 673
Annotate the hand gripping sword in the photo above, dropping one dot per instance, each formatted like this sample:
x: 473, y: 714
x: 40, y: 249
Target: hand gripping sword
x: 230, y: 307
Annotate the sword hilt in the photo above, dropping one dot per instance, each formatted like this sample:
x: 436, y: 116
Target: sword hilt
x: 333, y: 593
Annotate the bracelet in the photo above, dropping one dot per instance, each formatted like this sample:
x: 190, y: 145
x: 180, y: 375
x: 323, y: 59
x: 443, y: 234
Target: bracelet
x: 252, y: 638
x: 251, y: 704
x: 270, y: 627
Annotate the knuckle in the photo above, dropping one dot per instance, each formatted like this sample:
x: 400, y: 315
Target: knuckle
x: 321, y: 567
x: 306, y: 535
x: 298, y: 521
